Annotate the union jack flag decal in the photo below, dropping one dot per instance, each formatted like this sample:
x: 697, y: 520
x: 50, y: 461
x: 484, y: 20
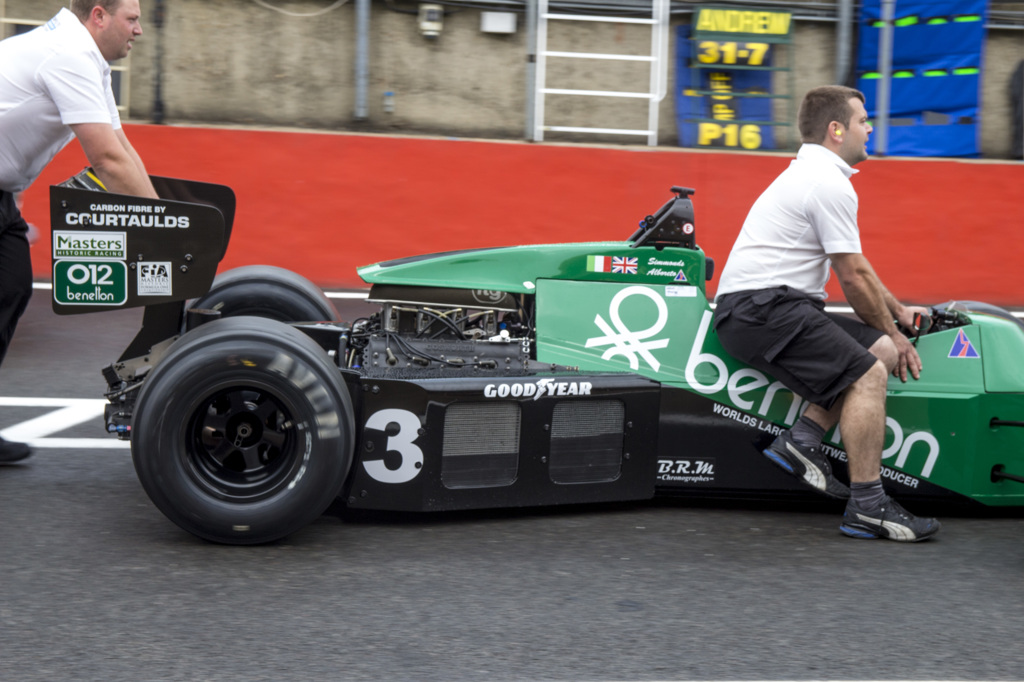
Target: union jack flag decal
x: 624, y: 264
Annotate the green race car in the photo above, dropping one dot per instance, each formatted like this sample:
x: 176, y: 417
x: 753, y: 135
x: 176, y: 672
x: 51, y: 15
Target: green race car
x: 504, y: 377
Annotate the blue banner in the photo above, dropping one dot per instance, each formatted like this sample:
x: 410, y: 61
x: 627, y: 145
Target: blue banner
x: 936, y: 75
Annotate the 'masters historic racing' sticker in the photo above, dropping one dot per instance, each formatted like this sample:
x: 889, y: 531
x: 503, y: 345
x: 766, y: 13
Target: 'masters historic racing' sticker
x: 91, y: 245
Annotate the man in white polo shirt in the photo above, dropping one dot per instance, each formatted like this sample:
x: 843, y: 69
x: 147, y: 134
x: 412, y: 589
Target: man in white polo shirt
x: 770, y: 314
x: 55, y: 85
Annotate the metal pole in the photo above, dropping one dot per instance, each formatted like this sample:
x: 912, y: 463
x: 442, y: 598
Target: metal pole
x: 158, y: 76
x: 540, y: 71
x: 885, y: 77
x: 362, y: 57
x: 531, y: 65
x: 844, y: 41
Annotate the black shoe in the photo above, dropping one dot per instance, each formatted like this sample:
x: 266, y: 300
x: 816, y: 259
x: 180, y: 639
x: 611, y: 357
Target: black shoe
x: 807, y: 464
x: 13, y: 452
x: 889, y: 520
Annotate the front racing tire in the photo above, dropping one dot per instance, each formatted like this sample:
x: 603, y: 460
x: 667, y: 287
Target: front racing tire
x: 267, y: 291
x: 244, y: 433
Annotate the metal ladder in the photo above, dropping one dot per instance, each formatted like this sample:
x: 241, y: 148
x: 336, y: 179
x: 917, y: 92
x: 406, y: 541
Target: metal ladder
x: 658, y: 59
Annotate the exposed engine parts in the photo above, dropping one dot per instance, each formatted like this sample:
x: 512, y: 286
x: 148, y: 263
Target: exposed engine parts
x: 477, y: 334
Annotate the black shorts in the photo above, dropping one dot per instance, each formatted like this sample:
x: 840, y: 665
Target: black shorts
x: 785, y: 333
x: 15, y: 269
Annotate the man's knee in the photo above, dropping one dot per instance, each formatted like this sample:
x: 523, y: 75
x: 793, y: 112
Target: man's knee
x: 875, y: 379
x: 885, y: 350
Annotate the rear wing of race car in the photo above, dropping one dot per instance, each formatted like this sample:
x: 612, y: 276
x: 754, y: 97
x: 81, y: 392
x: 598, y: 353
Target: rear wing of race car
x: 113, y: 251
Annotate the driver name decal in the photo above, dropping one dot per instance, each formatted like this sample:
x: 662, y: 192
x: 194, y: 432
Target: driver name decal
x: 666, y: 268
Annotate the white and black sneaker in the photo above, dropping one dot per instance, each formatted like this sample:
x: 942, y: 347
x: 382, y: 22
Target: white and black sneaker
x: 808, y: 464
x: 889, y: 520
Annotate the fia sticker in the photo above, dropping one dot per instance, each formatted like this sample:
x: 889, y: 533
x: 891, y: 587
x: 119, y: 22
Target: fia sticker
x: 154, y: 278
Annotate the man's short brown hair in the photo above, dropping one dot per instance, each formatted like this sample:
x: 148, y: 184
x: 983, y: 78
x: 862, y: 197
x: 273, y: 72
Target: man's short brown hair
x: 821, y: 106
x: 83, y: 8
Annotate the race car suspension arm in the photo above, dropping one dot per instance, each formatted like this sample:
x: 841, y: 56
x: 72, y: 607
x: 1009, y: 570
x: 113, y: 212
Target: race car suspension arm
x: 998, y: 474
x: 160, y: 322
x: 996, y: 421
x: 997, y: 471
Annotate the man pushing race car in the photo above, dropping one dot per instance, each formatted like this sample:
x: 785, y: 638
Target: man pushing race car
x: 770, y: 314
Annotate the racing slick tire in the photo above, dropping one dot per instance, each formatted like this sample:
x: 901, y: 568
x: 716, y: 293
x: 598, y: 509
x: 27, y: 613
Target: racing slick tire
x: 266, y: 291
x: 244, y: 433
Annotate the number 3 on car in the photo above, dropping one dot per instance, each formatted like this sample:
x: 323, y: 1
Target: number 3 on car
x: 401, y: 441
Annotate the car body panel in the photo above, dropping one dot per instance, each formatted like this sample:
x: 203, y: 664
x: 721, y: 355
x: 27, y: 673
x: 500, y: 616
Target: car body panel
x: 517, y: 269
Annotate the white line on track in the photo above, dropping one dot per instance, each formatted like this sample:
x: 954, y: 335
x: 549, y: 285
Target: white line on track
x: 67, y: 412
x: 347, y: 294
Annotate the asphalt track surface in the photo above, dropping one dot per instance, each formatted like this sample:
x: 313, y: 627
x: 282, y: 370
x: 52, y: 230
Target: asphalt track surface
x: 95, y: 584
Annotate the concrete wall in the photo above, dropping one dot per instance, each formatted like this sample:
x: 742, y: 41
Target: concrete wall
x: 238, y: 62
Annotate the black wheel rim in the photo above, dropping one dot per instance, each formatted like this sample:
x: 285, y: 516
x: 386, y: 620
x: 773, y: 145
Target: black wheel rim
x: 243, y: 444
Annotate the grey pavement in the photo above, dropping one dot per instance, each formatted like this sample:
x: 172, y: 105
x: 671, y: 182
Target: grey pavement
x: 95, y: 584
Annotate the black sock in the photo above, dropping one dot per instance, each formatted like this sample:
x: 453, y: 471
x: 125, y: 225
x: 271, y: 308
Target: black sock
x: 868, y: 495
x: 807, y: 433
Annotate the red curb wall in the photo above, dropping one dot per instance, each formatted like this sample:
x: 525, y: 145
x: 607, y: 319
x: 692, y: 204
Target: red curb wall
x: 321, y: 204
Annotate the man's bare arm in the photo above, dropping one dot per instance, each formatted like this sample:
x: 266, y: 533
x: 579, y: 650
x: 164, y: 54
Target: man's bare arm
x: 877, y: 307
x: 113, y: 159
x: 123, y: 139
x: 904, y: 314
x: 864, y: 291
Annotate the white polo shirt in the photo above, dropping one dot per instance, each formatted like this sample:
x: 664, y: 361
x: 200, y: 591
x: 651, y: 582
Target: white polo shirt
x: 52, y: 77
x: 808, y: 212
